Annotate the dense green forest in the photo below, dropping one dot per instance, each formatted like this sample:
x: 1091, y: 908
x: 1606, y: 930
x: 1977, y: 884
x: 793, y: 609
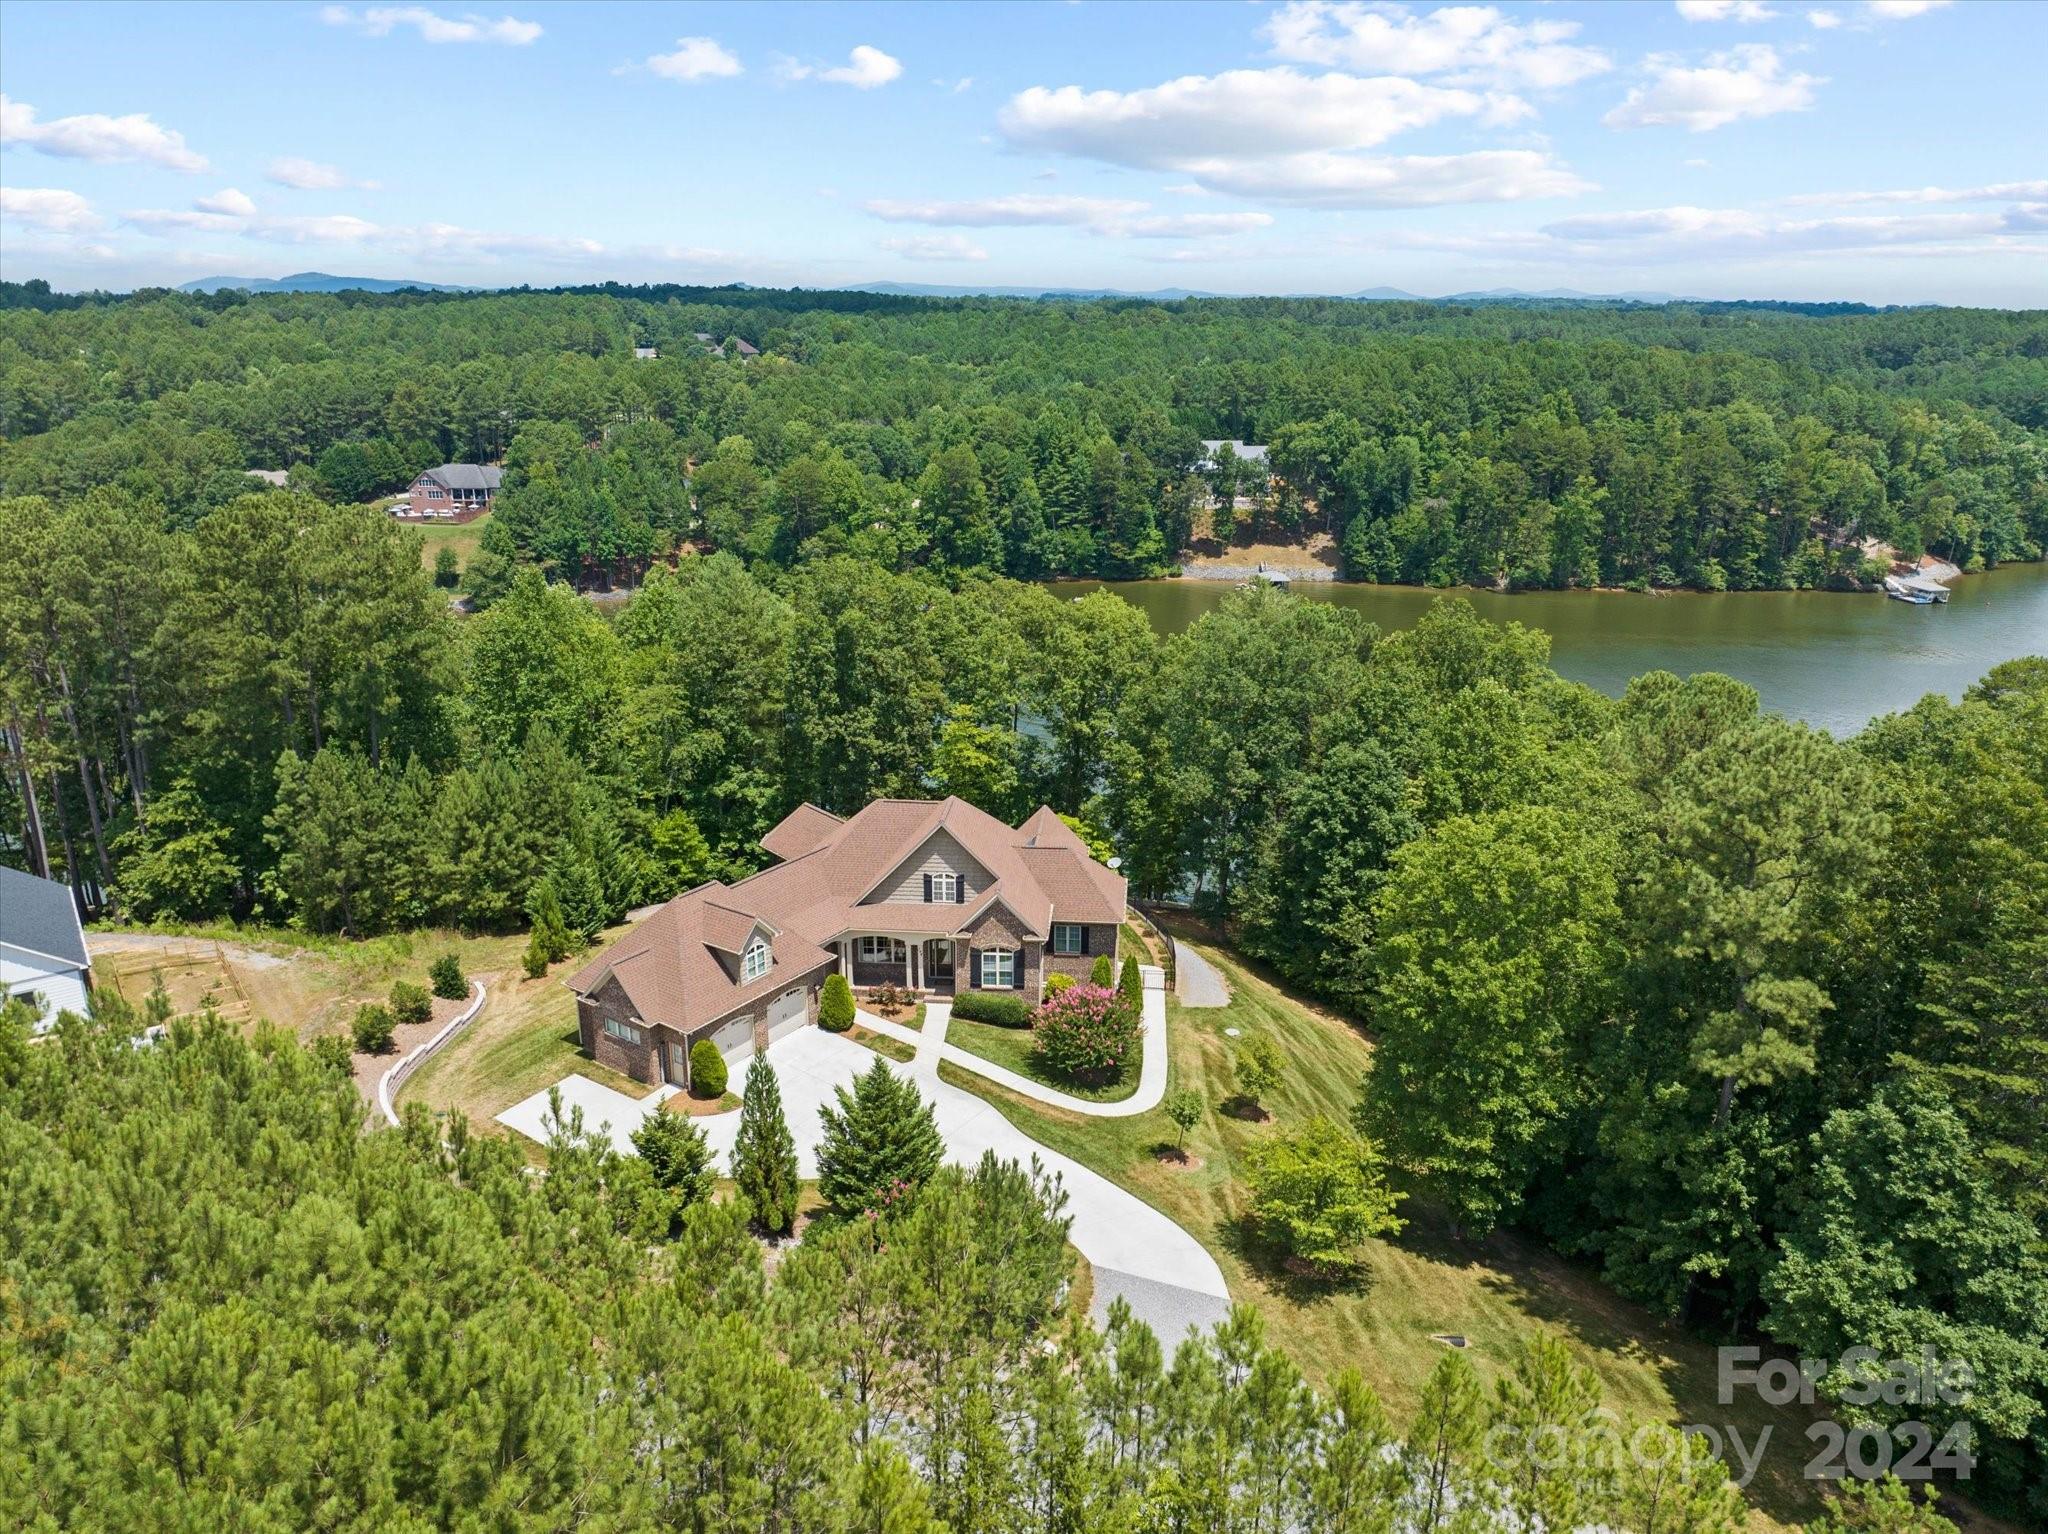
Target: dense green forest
x: 1719, y: 446
x: 1754, y: 1019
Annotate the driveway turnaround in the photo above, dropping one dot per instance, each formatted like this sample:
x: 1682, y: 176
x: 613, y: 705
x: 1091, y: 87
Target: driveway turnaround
x: 931, y: 1048
x: 1164, y: 1273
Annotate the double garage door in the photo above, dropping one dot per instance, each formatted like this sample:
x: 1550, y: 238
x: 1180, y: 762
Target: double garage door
x: 735, y: 1040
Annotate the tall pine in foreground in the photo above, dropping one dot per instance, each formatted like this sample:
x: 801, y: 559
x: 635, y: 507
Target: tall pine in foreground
x: 764, y: 1158
x: 879, y: 1144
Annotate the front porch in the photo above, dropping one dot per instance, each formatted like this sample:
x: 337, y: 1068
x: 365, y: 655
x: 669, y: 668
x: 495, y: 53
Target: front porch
x: 927, y: 965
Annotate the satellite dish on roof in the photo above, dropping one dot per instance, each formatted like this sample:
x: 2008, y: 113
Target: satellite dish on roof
x: 1116, y: 862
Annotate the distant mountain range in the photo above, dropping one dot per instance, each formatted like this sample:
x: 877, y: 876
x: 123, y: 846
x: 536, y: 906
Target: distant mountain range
x: 326, y: 282
x: 318, y: 282
x: 1168, y: 295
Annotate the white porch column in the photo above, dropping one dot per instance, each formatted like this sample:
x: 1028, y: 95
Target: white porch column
x: 909, y: 965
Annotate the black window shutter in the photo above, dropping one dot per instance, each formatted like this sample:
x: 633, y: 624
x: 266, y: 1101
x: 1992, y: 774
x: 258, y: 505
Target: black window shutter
x: 960, y: 890
x: 1084, y: 940
x: 927, y: 889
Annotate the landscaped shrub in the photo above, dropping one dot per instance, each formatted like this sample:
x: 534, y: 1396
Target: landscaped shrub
x: 1130, y: 984
x: 535, y: 960
x: 1088, y: 1033
x: 1101, y: 972
x: 446, y: 977
x: 1319, y: 1192
x: 1003, y: 1011
x: 1256, y: 1067
x: 1184, y: 1112
x: 835, y: 1005
x: 707, y: 1070
x: 410, y: 1003
x: 1057, y: 982
x: 372, y: 1027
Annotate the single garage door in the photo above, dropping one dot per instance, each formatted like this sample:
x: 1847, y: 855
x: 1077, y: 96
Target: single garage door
x: 735, y: 1041
x: 786, y: 1015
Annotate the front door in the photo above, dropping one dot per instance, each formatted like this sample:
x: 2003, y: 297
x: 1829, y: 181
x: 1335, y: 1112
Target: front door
x: 938, y: 961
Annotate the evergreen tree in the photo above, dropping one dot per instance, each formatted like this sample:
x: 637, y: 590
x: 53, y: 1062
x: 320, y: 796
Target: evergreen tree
x: 764, y: 1165
x: 879, y: 1145
x: 676, y: 1153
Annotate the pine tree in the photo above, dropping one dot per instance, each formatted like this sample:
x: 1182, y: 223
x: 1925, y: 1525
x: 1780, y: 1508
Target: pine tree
x: 764, y: 1157
x: 551, y: 938
x: 675, y: 1152
x: 879, y: 1144
x: 1443, y: 1442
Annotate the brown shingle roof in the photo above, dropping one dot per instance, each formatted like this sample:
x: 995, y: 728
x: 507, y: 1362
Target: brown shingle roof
x: 821, y: 889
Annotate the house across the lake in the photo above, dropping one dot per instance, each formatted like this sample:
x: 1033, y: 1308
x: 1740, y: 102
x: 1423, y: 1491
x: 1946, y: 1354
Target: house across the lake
x: 930, y: 895
x: 42, y: 948
x: 455, y: 492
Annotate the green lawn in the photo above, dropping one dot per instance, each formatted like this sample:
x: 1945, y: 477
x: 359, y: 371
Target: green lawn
x: 1495, y: 1291
x: 881, y: 1043
x: 462, y: 539
x: 1012, y: 1048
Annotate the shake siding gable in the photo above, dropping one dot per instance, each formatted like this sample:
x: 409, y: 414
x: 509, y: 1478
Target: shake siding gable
x: 941, y: 854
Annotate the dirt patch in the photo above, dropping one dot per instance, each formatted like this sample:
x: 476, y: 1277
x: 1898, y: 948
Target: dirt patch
x: 1179, y: 1160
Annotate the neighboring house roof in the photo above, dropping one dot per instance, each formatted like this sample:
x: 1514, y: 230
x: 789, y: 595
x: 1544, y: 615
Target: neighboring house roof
x: 647, y: 351
x: 466, y: 476
x: 40, y: 916
x: 828, y: 884
x: 270, y: 476
x: 746, y: 348
x: 1244, y: 452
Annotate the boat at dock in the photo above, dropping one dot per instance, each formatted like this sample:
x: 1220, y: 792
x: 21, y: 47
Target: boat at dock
x: 1917, y: 589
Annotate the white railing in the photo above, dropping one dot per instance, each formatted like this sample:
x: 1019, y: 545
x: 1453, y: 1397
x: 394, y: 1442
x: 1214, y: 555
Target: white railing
x: 395, y: 1077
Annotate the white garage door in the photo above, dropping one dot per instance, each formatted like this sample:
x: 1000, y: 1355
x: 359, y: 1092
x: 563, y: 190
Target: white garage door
x: 736, y: 1041
x: 786, y: 1015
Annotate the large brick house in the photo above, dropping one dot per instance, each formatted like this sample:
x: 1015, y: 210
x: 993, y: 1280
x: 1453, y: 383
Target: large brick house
x: 933, y: 896
x: 455, y: 492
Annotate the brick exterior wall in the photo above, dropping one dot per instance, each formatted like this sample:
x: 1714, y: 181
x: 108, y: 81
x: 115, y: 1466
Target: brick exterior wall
x: 643, y: 1062
x: 1100, y: 940
x: 1000, y: 929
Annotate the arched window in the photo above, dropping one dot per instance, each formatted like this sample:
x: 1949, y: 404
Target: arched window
x: 754, y: 962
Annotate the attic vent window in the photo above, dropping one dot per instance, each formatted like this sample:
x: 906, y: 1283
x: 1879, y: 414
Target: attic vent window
x: 754, y: 962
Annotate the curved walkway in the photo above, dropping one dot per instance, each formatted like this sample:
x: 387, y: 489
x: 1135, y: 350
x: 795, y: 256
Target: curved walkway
x: 389, y: 1083
x: 931, y: 1047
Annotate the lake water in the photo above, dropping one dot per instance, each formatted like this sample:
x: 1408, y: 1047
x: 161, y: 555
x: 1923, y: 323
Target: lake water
x: 1834, y: 659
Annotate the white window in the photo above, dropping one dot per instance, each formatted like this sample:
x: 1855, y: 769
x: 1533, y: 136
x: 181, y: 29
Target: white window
x: 945, y: 889
x: 1069, y: 937
x: 754, y: 962
x: 872, y: 947
x: 625, y: 1032
x: 998, y: 969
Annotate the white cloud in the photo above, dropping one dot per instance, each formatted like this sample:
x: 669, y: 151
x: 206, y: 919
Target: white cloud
x: 1823, y: 20
x: 955, y: 87
x: 227, y: 200
x: 1116, y: 217
x: 1240, y: 114
x: 2000, y: 191
x: 1278, y: 135
x: 1685, y: 233
x: 695, y: 58
x: 1321, y: 180
x: 1745, y: 11
x: 1902, y: 10
x: 312, y: 176
x: 383, y: 20
x: 1745, y: 82
x: 934, y: 247
x: 1470, y: 43
x: 1018, y: 208
x: 866, y: 68
x: 133, y: 139
x: 1186, y: 189
x: 425, y: 240
x: 50, y: 208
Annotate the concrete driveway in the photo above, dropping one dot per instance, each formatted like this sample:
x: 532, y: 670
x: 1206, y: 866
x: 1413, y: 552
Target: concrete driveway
x: 1164, y: 1273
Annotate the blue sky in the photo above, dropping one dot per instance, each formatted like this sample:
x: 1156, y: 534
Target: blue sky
x: 1882, y: 150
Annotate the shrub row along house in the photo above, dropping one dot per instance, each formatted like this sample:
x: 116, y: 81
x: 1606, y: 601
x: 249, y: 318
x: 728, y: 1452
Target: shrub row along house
x: 929, y: 896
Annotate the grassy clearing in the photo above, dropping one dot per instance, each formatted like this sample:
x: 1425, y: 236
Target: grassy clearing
x: 463, y: 539
x: 1013, y: 1049
x: 1495, y: 1292
x: 523, y: 1041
